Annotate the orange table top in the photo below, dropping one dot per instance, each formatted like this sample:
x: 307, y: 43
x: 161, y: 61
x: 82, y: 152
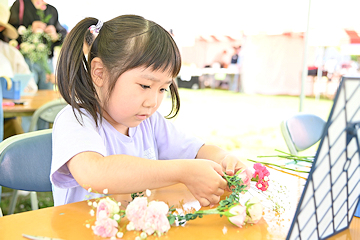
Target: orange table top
x: 68, y: 221
x: 31, y: 103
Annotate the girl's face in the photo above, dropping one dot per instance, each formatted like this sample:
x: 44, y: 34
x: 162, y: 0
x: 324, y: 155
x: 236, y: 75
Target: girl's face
x: 137, y: 94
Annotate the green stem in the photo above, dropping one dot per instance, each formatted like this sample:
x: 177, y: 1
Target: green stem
x: 272, y: 164
x: 300, y: 159
x: 293, y: 154
x: 209, y: 212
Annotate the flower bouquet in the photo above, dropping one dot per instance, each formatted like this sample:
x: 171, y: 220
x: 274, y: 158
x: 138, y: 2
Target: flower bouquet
x: 156, y: 217
x: 35, y: 45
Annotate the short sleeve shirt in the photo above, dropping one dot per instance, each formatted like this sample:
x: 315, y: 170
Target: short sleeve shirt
x: 155, y: 138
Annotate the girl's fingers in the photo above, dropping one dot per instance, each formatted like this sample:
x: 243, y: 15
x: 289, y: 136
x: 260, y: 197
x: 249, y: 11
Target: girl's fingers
x: 204, y: 202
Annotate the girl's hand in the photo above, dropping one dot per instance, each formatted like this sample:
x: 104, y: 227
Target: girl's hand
x: 232, y: 164
x: 203, y: 179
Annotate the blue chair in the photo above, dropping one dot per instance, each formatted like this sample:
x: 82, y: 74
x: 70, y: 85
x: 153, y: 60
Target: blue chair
x: 25, y: 161
x: 301, y: 131
x: 41, y: 119
x: 1, y: 131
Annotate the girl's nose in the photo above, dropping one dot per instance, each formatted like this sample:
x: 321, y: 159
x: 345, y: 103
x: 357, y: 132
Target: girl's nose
x: 151, y: 101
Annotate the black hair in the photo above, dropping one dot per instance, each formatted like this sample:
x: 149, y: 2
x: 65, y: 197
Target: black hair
x: 123, y: 43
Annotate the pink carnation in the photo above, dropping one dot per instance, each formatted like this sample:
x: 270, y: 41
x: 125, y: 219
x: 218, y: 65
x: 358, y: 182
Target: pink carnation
x: 245, y: 177
x: 240, y: 215
x: 262, y: 185
x: 135, y: 212
x: 106, y: 208
x: 156, y: 219
x: 105, y: 227
x: 260, y: 171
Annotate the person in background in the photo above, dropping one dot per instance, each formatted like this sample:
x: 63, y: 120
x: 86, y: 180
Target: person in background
x: 221, y: 58
x: 111, y: 135
x: 25, y: 13
x: 235, y: 63
x: 12, y: 62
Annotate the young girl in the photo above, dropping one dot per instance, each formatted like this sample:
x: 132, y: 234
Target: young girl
x: 111, y: 136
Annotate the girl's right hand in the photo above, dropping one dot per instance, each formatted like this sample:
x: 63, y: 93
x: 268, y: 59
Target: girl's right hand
x: 204, y: 180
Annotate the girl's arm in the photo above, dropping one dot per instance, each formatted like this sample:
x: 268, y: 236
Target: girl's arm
x: 129, y: 174
x: 230, y: 163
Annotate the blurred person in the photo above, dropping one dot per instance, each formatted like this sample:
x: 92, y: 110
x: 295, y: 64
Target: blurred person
x: 331, y: 67
x: 25, y: 13
x: 12, y: 62
x: 222, y: 59
x: 235, y: 64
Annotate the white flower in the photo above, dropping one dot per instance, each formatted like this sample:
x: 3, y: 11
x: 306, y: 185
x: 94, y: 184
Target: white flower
x: 116, y: 217
x: 89, y: 190
x: 31, y: 47
x: 266, y: 178
x: 92, y: 212
x: 13, y: 43
x: 40, y: 47
x: 143, y: 235
x: 120, y: 234
x: 106, y: 191
x: 90, y: 203
x: 87, y: 225
x: 148, y: 192
x: 95, y: 204
x: 130, y: 226
x: 255, y: 210
x: 25, y: 47
x: 137, y: 238
x: 21, y: 30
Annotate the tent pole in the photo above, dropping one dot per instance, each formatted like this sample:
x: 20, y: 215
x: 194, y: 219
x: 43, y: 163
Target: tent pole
x: 305, y: 68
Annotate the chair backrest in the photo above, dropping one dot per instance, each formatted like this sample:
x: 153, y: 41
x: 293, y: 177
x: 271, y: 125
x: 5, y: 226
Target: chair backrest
x: 301, y: 131
x: 25, y: 161
x: 1, y: 117
x: 47, y: 113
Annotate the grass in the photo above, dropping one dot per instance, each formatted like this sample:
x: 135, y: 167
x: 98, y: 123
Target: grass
x: 246, y: 125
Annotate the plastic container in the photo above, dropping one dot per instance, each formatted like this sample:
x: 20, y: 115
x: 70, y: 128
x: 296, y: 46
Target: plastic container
x: 18, y: 85
x: 24, y: 80
x: 10, y: 90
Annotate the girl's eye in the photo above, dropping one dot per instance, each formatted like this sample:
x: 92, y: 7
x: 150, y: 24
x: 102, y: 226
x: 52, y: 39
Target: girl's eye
x: 144, y: 86
x: 163, y: 90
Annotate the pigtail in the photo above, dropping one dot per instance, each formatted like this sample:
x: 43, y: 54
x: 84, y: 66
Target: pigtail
x: 73, y: 71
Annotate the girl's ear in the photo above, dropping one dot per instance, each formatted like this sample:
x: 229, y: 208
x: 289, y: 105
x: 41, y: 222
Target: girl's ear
x: 97, y: 72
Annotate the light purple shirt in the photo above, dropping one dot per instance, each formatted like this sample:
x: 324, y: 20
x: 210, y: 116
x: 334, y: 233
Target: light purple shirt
x: 155, y: 138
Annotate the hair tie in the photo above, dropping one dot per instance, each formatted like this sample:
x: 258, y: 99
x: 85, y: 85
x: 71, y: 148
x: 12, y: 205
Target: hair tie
x: 96, y: 28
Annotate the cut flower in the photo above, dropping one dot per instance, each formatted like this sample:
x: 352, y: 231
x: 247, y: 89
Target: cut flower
x: 239, y: 217
x: 156, y: 218
x: 254, y: 210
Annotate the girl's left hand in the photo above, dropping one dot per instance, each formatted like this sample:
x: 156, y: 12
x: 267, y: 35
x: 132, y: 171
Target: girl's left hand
x: 232, y: 164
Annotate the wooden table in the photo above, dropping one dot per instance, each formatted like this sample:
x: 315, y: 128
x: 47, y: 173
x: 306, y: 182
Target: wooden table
x: 68, y: 221
x: 31, y: 103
